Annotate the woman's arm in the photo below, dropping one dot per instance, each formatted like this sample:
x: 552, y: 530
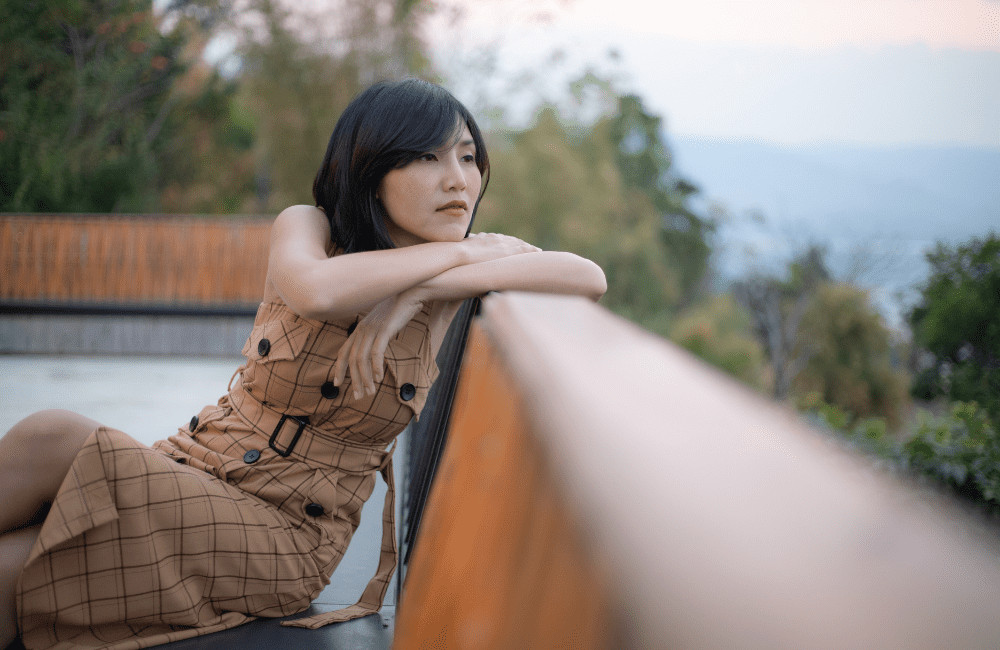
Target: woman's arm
x: 546, y: 271
x: 543, y: 272
x: 317, y: 286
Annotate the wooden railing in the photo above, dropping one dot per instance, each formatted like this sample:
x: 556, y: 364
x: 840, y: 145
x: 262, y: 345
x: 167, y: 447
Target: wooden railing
x: 139, y: 261
x: 602, y: 488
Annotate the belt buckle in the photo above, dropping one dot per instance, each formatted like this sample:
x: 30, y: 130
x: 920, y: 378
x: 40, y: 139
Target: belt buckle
x: 303, y: 422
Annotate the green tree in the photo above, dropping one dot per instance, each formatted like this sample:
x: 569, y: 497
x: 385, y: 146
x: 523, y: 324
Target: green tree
x: 595, y: 178
x: 777, y: 307
x: 958, y: 322
x: 960, y: 449
x: 645, y: 164
x: 559, y: 187
x: 850, y: 356
x: 718, y: 330
x: 87, y: 101
x: 296, y: 82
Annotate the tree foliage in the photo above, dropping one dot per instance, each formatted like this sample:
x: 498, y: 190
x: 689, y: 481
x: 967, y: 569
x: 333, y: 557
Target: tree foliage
x: 718, y: 330
x: 602, y: 190
x: 644, y: 161
x: 111, y: 107
x: 850, y: 355
x: 777, y: 307
x: 90, y: 100
x: 295, y: 83
x: 824, y: 341
x: 958, y: 322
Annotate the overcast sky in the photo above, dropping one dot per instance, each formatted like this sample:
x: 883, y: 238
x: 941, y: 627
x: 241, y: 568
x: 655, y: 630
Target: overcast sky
x: 880, y: 72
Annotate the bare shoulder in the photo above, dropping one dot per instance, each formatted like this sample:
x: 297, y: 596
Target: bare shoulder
x: 299, y: 238
x: 301, y: 219
x: 300, y: 229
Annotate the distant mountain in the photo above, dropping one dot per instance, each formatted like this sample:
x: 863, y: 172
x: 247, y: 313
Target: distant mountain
x: 924, y: 193
x: 876, y: 209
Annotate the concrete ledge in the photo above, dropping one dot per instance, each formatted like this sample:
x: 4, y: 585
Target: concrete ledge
x: 78, y: 334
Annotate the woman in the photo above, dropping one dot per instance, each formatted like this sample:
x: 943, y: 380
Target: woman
x: 247, y: 510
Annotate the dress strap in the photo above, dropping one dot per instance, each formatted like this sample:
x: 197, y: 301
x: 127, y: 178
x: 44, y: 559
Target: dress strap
x: 374, y: 593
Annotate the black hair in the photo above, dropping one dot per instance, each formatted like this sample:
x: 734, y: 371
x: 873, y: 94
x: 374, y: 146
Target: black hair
x: 385, y: 127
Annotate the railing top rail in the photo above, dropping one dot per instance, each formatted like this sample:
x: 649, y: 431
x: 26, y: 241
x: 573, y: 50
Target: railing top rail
x: 724, y: 519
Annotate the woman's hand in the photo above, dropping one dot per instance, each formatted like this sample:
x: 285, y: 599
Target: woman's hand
x: 486, y: 246
x: 363, y: 353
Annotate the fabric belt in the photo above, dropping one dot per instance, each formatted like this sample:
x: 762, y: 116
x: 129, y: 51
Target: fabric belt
x: 293, y: 437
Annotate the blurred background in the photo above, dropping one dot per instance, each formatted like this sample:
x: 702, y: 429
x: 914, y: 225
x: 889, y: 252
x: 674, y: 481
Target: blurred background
x: 803, y: 193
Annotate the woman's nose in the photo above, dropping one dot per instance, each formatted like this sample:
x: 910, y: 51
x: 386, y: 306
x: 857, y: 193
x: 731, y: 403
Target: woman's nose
x: 454, y: 176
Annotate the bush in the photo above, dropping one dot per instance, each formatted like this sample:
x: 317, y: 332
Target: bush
x: 961, y: 450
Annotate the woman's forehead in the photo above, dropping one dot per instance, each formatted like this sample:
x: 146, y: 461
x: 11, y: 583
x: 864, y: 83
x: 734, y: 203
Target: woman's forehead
x: 461, y: 138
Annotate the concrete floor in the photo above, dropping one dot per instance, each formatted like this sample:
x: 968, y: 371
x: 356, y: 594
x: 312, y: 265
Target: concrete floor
x: 148, y: 397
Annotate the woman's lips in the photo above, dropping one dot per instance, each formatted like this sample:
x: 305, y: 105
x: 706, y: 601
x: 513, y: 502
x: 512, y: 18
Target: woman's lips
x: 456, y: 208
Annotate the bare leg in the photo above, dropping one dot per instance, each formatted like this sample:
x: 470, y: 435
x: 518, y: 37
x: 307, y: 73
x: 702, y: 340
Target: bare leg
x: 14, y: 549
x: 35, y: 456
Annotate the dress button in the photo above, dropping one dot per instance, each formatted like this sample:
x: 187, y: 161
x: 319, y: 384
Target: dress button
x: 251, y: 456
x: 329, y: 391
x: 314, y: 510
x: 263, y: 347
x: 407, y: 391
x: 194, y: 423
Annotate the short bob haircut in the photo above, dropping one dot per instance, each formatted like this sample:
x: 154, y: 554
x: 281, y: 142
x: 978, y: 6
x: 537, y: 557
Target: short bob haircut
x: 385, y: 127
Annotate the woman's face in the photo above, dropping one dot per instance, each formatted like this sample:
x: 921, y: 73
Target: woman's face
x: 432, y: 198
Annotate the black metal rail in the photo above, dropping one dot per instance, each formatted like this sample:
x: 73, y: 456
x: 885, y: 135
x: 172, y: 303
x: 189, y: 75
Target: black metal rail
x: 428, y: 435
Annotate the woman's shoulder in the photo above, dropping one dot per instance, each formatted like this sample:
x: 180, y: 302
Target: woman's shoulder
x: 297, y: 214
x: 299, y: 224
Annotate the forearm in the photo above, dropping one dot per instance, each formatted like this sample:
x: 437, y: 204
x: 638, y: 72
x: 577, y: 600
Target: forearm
x: 543, y: 272
x: 346, y: 285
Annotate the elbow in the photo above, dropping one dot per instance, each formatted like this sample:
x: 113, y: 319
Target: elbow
x: 307, y: 305
x: 594, y: 283
x: 311, y: 309
x: 599, y: 283
x: 304, y: 297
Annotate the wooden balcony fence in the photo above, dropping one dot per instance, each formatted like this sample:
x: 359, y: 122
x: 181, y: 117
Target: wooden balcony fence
x: 147, y: 263
x: 601, y: 488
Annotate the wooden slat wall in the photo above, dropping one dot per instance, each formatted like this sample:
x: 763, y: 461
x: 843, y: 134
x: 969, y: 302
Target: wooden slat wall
x: 135, y: 260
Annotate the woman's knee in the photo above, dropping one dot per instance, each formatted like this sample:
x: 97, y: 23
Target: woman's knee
x: 51, y: 437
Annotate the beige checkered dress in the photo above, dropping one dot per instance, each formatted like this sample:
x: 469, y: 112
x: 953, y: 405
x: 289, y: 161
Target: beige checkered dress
x: 245, y: 512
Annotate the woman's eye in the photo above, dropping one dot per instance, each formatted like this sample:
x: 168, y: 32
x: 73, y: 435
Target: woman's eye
x: 469, y: 158
x: 428, y: 157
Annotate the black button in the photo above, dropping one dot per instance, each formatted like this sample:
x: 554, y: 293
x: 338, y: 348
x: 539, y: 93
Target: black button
x: 314, y: 510
x: 251, y: 456
x: 194, y: 423
x: 329, y: 390
x: 263, y: 347
x: 407, y: 391
x: 351, y: 328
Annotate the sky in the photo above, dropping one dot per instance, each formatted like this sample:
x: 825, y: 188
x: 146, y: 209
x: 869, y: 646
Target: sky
x: 868, y: 72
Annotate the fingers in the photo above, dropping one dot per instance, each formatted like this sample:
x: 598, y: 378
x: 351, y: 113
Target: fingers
x: 340, y: 366
x: 362, y: 375
x: 362, y: 356
x: 498, y: 245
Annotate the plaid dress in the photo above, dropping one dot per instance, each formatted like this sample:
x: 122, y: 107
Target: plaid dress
x: 245, y: 512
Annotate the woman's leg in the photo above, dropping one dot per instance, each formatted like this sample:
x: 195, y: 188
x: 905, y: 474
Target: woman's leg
x: 14, y: 549
x: 34, y: 458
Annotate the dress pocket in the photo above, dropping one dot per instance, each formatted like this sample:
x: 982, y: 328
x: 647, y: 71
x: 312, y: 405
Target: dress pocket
x: 276, y: 340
